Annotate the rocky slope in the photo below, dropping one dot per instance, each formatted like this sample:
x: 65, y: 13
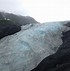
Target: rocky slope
x: 8, y: 27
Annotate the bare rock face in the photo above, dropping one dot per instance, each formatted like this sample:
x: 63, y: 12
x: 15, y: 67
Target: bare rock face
x: 8, y: 27
x: 24, y: 50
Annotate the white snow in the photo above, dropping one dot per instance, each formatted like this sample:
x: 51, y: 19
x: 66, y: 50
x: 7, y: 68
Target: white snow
x: 26, y: 49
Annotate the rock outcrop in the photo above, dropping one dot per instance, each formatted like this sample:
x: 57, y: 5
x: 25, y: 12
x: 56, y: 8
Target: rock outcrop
x: 8, y: 27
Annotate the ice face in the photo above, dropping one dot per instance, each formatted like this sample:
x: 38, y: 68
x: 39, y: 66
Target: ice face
x: 24, y: 50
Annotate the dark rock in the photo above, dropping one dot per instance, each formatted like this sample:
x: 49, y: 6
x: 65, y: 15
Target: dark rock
x: 67, y: 24
x: 60, y: 61
x: 66, y: 40
x: 8, y: 27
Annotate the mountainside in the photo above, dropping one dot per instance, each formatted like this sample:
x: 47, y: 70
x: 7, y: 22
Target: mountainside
x: 8, y: 27
x: 21, y: 20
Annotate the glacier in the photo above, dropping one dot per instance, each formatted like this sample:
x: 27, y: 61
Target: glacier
x: 24, y: 50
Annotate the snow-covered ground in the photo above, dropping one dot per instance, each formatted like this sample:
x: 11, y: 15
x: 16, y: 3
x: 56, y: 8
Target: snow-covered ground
x: 26, y: 49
